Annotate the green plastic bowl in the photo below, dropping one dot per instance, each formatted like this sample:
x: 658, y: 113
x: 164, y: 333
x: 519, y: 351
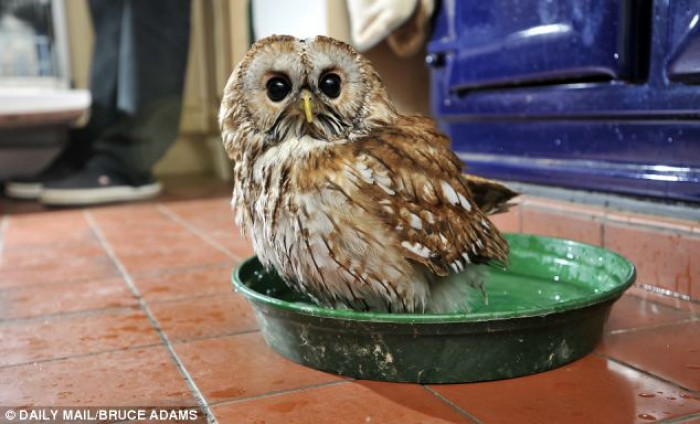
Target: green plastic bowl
x: 546, y: 309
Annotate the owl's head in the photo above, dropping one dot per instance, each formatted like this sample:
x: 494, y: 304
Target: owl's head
x: 287, y: 88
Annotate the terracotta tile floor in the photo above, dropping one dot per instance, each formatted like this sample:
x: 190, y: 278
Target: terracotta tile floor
x: 131, y: 305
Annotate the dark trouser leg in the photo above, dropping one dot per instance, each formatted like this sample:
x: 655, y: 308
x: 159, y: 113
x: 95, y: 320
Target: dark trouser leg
x: 107, y: 22
x: 138, y: 93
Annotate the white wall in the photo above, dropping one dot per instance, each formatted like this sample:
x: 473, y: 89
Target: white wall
x: 300, y: 18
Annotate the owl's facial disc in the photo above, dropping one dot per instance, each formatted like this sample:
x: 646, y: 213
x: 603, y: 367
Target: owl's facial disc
x: 318, y: 88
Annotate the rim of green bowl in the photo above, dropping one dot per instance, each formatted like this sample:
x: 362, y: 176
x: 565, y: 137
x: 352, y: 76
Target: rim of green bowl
x: 406, y: 318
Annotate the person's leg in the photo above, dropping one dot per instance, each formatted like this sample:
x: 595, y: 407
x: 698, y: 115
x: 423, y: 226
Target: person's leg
x: 153, y: 46
x: 107, y: 17
x: 152, y: 64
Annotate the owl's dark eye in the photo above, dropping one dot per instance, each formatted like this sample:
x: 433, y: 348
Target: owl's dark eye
x: 329, y: 84
x: 277, y: 88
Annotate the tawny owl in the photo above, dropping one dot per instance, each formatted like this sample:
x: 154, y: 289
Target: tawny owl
x: 351, y: 202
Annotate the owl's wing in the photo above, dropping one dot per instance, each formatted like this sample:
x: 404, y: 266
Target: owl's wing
x: 490, y: 196
x: 412, y: 179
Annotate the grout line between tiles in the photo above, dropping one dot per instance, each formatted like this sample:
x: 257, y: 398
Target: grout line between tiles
x: 201, y: 400
x: 679, y: 420
x: 179, y: 270
x: 186, y: 298
x: 651, y: 327
x: 687, y: 228
x: 451, y: 404
x: 140, y: 274
x: 610, y: 217
x: 218, y: 336
x: 43, y: 246
x: 650, y: 227
x: 4, y: 223
x: 615, y: 215
x: 69, y: 314
x: 645, y: 372
x: 60, y: 282
x: 566, y: 213
x: 281, y: 392
x: 80, y: 355
x: 204, y: 236
x: 91, y: 311
x: 521, y: 212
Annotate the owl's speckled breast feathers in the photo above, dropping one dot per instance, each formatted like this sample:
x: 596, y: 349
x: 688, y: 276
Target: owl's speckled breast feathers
x: 351, y: 202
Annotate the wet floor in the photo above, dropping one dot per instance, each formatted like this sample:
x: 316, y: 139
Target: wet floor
x: 132, y: 305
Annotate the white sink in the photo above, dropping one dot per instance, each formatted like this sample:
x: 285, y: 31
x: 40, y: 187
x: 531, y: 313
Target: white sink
x: 39, y: 106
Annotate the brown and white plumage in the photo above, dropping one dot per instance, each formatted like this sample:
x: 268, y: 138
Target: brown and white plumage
x: 355, y: 205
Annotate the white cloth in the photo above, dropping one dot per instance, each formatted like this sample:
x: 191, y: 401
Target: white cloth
x: 371, y: 21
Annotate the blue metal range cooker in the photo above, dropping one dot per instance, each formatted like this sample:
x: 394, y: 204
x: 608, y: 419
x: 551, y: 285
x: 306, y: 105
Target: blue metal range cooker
x: 593, y: 94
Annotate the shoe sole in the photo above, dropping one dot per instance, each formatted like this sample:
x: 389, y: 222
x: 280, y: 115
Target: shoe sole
x: 25, y: 191
x: 96, y: 196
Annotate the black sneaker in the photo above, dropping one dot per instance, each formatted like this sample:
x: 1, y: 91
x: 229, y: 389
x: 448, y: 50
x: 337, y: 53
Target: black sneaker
x: 93, y: 186
x: 31, y: 187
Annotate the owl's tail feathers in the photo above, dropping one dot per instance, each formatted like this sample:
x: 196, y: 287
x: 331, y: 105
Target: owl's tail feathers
x: 490, y: 196
x: 458, y: 293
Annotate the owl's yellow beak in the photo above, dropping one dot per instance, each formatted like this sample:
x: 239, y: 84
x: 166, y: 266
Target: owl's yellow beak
x: 307, y: 105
